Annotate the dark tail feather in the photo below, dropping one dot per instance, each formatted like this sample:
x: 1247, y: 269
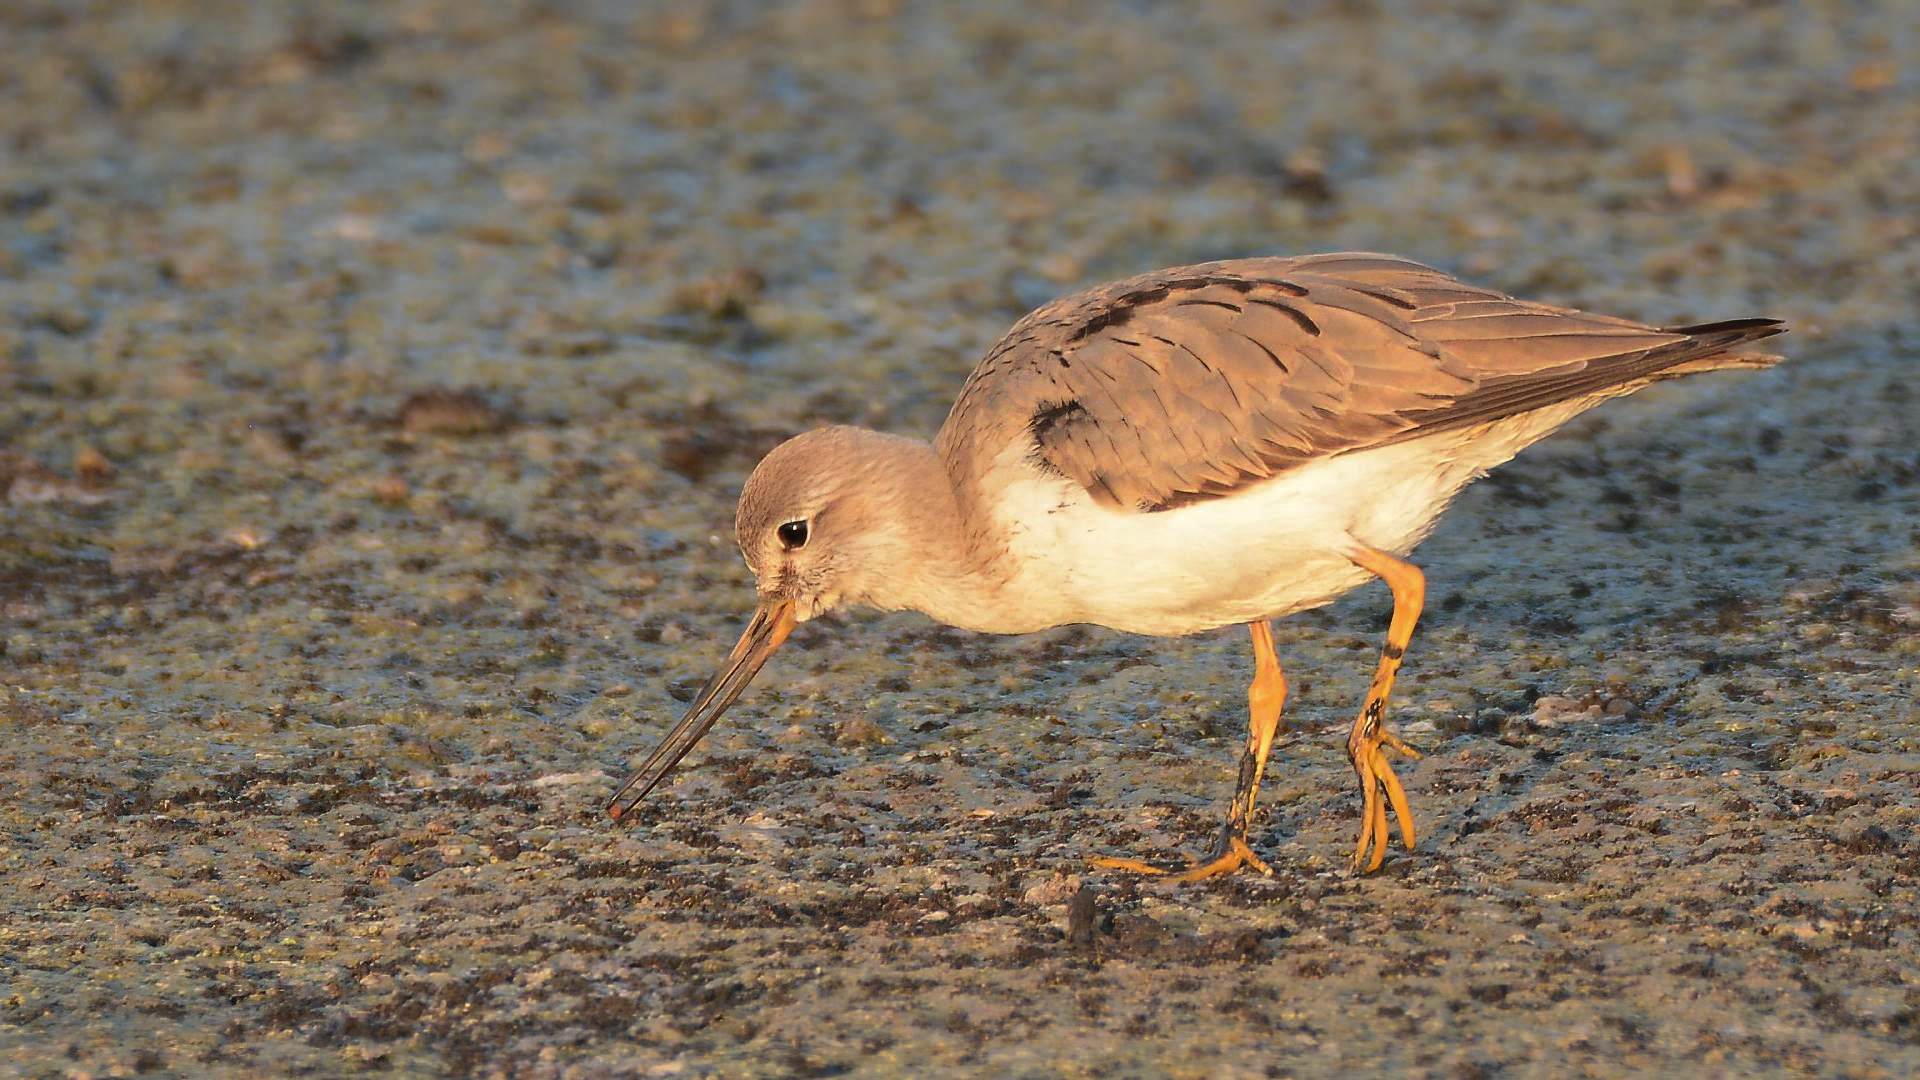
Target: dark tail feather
x: 1732, y: 332
x: 1711, y: 344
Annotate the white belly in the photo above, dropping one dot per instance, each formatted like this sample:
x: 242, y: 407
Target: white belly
x: 1269, y: 550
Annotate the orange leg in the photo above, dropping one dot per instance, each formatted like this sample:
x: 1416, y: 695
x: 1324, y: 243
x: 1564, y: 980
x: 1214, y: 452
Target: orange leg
x: 1368, y: 742
x: 1266, y: 697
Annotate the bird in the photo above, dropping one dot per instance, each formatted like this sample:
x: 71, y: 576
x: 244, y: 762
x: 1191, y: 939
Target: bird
x: 1202, y: 446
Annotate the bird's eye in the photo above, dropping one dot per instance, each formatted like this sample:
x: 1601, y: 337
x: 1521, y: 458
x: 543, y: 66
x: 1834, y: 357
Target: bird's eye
x: 793, y: 535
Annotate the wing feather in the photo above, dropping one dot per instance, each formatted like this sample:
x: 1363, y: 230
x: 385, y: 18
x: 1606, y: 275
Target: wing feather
x: 1190, y: 383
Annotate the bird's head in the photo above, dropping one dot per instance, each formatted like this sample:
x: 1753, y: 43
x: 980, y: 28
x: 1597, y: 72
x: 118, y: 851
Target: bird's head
x: 822, y: 522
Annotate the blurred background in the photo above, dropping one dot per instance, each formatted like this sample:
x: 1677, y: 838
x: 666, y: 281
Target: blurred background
x: 376, y: 381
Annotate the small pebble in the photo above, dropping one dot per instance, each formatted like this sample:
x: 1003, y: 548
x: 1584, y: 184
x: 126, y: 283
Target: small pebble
x: 1082, y: 916
x: 92, y: 467
x: 391, y: 490
x: 1055, y: 888
x: 441, y: 411
x: 859, y: 731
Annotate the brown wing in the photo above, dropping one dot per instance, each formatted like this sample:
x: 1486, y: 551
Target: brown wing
x: 1189, y: 383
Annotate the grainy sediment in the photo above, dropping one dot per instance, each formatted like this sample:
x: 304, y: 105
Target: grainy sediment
x: 375, y: 383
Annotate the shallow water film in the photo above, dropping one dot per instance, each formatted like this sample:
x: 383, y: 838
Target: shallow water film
x: 376, y: 381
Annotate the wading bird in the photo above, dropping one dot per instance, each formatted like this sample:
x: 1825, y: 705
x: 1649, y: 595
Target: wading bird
x: 1224, y: 443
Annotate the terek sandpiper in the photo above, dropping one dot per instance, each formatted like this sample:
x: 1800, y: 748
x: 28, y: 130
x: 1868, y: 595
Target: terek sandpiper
x: 1224, y: 443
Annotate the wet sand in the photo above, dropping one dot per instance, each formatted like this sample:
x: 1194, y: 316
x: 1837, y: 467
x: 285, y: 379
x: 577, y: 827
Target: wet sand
x: 375, y: 386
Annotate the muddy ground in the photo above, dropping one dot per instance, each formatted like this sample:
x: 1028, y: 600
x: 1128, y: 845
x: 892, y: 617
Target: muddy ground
x: 376, y: 380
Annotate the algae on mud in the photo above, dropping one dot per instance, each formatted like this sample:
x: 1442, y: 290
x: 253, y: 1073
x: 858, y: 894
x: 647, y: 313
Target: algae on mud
x: 308, y: 715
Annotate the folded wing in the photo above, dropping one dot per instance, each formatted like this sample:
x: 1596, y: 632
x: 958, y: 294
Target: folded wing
x: 1190, y: 383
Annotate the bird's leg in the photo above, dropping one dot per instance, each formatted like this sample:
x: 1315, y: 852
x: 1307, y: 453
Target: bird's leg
x: 1370, y: 740
x: 1265, y: 698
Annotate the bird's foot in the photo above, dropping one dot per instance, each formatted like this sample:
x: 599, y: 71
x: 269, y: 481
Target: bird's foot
x: 1380, y: 787
x: 1234, y: 853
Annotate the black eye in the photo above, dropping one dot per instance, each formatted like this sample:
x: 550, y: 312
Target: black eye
x: 793, y: 535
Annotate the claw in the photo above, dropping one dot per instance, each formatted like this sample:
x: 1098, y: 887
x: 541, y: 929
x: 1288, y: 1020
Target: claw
x: 1132, y: 866
x: 1397, y: 795
x: 1390, y: 739
x: 1236, y: 855
x: 1381, y: 790
x: 1371, y: 794
x: 1379, y: 832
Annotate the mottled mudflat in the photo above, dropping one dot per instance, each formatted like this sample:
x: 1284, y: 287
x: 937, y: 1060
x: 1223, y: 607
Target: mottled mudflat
x: 376, y: 380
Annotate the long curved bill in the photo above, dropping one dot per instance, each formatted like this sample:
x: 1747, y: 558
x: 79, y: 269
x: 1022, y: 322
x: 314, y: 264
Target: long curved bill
x: 770, y: 626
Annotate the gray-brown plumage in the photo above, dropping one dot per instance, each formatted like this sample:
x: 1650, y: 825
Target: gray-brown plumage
x: 1229, y: 442
x: 1193, y: 382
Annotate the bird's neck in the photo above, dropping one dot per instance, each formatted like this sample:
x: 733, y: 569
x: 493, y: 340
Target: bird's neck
x: 940, y: 565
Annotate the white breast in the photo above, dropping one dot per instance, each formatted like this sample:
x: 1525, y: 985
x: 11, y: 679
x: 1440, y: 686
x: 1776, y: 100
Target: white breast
x: 1270, y: 550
